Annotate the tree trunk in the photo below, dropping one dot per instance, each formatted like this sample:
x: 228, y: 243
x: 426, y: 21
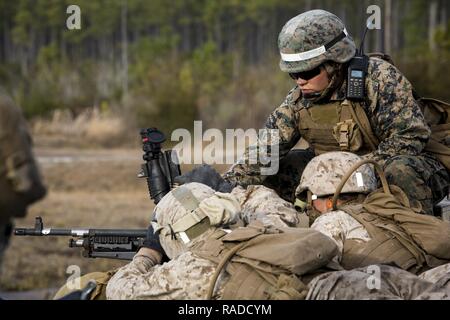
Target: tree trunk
x: 444, y: 14
x: 395, y: 27
x: 432, y: 24
x: 6, y: 41
x: 369, y: 44
x: 308, y: 5
x: 123, y: 27
x: 388, y: 26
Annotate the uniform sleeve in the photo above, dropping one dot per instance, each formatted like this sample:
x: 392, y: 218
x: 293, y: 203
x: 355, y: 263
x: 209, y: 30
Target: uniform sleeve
x: 395, y: 116
x: 264, y: 204
x: 340, y: 226
x: 282, y: 125
x: 185, y: 277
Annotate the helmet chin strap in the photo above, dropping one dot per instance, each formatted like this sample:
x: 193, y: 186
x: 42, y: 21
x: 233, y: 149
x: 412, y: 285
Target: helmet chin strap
x: 313, y: 95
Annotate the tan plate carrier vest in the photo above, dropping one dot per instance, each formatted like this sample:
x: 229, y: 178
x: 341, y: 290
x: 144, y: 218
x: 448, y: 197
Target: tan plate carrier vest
x: 332, y: 127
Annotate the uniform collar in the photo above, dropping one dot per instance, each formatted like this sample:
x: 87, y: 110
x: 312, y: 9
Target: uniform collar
x: 340, y: 93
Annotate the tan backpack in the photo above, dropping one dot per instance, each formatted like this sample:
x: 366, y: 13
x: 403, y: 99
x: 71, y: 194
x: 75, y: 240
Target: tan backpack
x: 437, y: 115
x: 423, y: 233
x: 264, y: 263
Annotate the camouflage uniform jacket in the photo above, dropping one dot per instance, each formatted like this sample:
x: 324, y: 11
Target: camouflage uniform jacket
x: 340, y: 226
x: 186, y: 277
x: 395, y: 117
x: 390, y: 283
x: 189, y: 276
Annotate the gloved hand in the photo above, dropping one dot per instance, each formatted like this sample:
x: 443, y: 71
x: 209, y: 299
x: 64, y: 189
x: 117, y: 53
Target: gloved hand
x: 152, y: 241
x: 207, y: 175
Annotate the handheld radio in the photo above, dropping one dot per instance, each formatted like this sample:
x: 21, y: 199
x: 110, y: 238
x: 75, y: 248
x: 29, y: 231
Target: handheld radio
x: 356, y: 73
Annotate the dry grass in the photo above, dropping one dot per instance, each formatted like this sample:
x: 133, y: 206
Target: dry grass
x: 104, y: 194
x: 90, y: 129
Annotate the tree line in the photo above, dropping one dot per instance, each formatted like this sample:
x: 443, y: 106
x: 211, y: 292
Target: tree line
x: 175, y: 61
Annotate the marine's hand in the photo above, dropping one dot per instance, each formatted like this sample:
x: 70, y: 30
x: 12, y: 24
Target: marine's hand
x: 207, y: 175
x: 152, y: 241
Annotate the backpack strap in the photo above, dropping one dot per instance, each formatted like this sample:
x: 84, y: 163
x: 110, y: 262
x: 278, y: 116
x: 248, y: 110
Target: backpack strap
x: 220, y: 266
x: 360, y: 117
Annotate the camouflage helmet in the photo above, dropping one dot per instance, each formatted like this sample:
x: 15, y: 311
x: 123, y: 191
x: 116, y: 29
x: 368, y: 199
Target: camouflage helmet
x: 323, y: 174
x: 187, y: 206
x: 311, y: 38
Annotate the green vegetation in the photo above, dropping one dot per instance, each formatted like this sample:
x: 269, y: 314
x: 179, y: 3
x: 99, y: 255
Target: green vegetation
x: 168, y: 63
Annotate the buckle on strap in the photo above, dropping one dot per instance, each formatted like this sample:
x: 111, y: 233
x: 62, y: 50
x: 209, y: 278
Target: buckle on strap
x: 343, y: 134
x: 191, y: 226
x: 188, y: 221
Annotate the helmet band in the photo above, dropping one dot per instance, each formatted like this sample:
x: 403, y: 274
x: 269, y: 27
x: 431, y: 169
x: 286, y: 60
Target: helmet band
x: 302, y: 56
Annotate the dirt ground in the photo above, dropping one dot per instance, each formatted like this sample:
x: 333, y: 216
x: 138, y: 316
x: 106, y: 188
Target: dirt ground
x: 86, y: 188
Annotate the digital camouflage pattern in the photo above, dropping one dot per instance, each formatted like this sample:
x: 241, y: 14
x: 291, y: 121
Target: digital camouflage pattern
x: 435, y: 274
x: 263, y: 204
x: 188, y: 276
x: 340, y: 226
x: 423, y: 178
x: 217, y: 207
x: 324, y: 173
x: 21, y: 183
x: 365, y: 284
x: 311, y: 30
x: 397, y: 122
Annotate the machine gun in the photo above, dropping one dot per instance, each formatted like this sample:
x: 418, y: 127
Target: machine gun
x: 160, y: 169
x: 119, y: 244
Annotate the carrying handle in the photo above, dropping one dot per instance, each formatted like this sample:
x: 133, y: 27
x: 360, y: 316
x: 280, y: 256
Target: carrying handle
x: 378, y: 169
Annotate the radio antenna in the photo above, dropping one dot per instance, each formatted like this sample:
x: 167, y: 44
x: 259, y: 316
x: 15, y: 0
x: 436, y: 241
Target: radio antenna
x: 361, y: 47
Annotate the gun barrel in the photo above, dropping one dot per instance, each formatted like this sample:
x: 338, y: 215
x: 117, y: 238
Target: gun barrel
x: 141, y: 233
x: 50, y: 232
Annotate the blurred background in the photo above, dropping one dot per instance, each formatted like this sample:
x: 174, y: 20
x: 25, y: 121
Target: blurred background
x: 143, y: 63
x: 169, y: 63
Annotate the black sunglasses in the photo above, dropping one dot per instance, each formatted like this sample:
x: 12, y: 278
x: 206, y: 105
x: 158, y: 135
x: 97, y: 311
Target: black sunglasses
x: 306, y: 75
